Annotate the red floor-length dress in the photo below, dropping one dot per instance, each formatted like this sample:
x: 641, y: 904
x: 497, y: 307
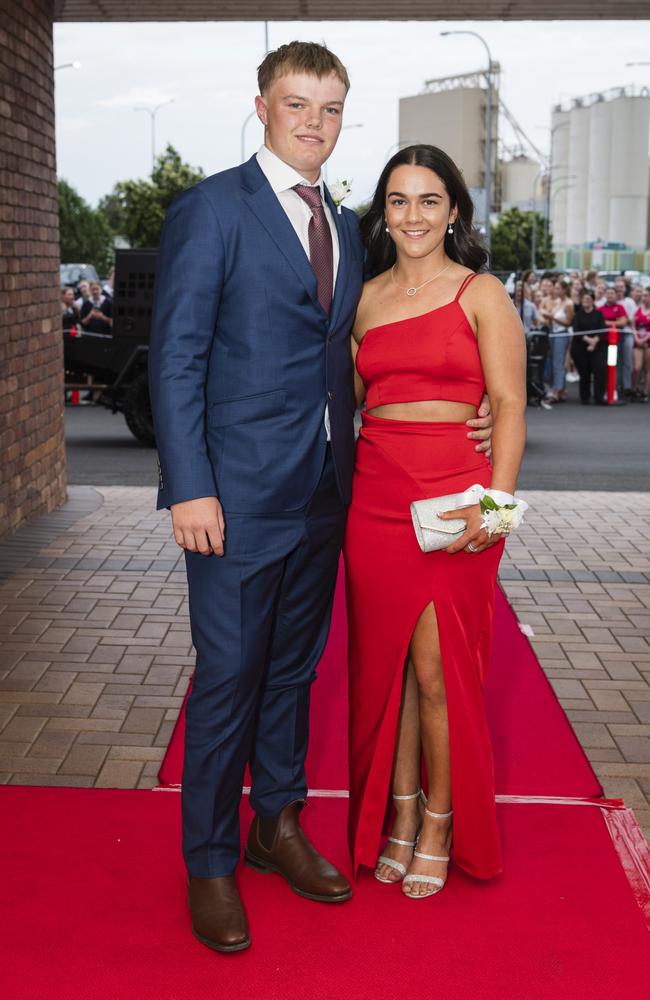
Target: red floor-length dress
x: 390, y: 581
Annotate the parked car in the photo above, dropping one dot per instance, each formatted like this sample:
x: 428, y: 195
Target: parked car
x: 71, y: 274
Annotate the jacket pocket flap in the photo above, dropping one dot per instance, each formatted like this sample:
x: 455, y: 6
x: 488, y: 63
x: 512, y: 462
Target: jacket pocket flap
x: 243, y: 409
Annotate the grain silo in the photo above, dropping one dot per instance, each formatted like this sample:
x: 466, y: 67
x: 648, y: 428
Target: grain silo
x: 599, y: 171
x: 628, y: 191
x: 598, y: 177
x: 579, y: 120
x: 559, y: 189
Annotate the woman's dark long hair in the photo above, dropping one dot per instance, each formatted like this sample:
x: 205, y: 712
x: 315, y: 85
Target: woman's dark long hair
x: 465, y: 245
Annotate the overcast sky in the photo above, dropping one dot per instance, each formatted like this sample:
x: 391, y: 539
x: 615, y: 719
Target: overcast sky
x: 209, y: 69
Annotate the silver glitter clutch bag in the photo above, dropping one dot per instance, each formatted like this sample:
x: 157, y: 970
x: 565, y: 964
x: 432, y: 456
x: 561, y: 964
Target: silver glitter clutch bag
x: 432, y: 533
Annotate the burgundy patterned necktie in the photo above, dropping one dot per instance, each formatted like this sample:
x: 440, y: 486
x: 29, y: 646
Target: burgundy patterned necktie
x: 320, y: 243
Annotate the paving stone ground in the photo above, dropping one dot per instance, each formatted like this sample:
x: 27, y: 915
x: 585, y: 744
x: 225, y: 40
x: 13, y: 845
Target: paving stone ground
x: 95, y: 649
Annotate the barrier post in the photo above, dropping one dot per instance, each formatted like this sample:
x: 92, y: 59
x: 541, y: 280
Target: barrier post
x: 612, y: 358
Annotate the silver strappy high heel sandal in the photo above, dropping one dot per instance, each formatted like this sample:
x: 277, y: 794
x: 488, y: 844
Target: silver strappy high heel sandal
x: 397, y: 865
x: 435, y: 881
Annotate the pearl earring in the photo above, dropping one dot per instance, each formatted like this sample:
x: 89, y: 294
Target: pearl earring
x: 450, y: 230
x: 387, y: 230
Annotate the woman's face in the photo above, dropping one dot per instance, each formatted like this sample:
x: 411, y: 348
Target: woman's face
x: 546, y: 287
x: 418, y: 210
x: 538, y: 296
x: 558, y: 290
x: 601, y: 288
x: 576, y: 286
x: 587, y: 303
x: 645, y: 298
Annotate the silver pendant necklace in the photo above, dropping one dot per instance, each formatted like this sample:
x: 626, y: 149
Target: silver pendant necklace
x: 416, y: 288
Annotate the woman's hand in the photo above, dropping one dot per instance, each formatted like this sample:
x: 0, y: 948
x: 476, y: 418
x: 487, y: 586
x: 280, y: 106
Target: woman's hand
x: 481, y: 426
x: 474, y: 534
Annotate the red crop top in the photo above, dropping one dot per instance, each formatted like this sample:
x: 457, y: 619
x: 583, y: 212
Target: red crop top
x: 429, y: 357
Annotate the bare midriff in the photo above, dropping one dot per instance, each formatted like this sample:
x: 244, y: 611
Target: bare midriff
x: 429, y: 410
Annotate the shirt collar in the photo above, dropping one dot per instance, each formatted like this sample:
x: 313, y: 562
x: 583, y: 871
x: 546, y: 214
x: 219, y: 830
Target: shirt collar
x: 280, y: 175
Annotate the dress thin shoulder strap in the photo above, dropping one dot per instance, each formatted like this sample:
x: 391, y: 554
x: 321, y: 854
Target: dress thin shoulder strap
x: 466, y: 282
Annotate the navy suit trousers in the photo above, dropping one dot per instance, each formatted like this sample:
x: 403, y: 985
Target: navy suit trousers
x: 260, y: 616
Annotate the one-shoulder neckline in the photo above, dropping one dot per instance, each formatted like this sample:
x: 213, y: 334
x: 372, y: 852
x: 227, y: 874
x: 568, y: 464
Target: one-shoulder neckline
x: 410, y: 319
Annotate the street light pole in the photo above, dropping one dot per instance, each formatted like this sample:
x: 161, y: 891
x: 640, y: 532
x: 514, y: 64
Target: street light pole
x: 152, y: 112
x: 488, y: 130
x: 71, y: 65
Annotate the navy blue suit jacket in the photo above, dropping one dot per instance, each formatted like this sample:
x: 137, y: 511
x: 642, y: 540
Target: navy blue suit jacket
x: 243, y: 359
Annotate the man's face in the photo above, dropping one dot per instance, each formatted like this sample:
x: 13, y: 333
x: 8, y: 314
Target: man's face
x: 610, y: 296
x: 95, y: 291
x: 302, y: 119
x: 619, y: 288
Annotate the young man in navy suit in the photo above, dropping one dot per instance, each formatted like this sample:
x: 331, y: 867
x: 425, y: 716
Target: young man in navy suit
x: 251, y: 385
x: 251, y: 379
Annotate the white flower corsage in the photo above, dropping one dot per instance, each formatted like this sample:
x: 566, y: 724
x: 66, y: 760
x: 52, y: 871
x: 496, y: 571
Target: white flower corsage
x: 501, y: 512
x: 339, y: 191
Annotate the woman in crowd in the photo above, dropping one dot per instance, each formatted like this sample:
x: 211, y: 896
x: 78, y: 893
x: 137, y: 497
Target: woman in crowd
x: 97, y: 312
x: 559, y: 314
x: 641, y: 382
x: 529, y: 279
x: 577, y: 288
x: 589, y: 349
x: 525, y: 307
x: 430, y: 334
x: 69, y: 311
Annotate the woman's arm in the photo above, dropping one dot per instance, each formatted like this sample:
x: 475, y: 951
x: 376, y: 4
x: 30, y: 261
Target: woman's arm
x: 359, y: 387
x: 358, y: 333
x: 502, y: 348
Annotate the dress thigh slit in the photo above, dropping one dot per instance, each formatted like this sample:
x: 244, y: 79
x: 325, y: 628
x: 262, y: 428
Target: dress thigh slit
x: 390, y: 583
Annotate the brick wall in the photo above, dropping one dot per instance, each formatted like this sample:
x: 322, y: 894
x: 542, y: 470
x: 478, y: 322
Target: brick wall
x: 32, y: 456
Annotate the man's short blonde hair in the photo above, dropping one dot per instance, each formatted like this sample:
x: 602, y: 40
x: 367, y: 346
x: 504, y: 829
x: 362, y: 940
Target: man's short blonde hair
x: 300, y: 57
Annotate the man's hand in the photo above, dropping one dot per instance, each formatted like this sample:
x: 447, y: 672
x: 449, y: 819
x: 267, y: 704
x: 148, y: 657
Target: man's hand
x: 199, y: 525
x: 483, y: 425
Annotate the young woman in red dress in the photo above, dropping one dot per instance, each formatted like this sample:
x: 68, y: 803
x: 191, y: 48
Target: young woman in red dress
x: 430, y: 336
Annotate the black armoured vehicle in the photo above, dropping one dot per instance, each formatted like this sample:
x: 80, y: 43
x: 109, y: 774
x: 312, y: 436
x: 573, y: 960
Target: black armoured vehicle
x: 112, y: 368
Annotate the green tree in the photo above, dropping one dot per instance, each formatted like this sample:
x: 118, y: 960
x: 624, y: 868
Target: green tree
x: 84, y: 233
x: 110, y: 207
x: 512, y: 239
x: 138, y: 207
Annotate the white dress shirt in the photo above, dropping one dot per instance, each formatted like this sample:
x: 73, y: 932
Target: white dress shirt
x: 282, y: 178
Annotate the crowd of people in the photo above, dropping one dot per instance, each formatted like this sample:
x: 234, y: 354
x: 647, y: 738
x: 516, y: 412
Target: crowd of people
x: 571, y: 318
x: 569, y: 315
x: 90, y: 310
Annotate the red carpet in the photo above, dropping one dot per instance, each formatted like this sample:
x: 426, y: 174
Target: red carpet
x: 93, y: 906
x: 535, y: 749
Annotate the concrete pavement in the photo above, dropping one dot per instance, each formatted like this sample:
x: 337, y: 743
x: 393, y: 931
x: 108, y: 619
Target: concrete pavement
x: 95, y: 646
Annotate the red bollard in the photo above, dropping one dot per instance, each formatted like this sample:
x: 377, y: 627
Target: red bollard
x: 74, y: 397
x: 612, y: 358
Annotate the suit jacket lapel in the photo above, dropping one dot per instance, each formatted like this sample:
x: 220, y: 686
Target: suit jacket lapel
x: 344, y: 259
x: 262, y: 200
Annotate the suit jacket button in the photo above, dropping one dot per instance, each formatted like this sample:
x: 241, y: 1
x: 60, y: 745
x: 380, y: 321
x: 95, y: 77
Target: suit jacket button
x: 330, y: 394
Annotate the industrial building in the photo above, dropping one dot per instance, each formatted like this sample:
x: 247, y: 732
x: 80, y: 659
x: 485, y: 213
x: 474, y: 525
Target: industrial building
x: 450, y: 113
x: 599, y: 171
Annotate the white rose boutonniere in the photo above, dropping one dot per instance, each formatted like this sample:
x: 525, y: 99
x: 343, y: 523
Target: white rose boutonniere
x: 339, y: 191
